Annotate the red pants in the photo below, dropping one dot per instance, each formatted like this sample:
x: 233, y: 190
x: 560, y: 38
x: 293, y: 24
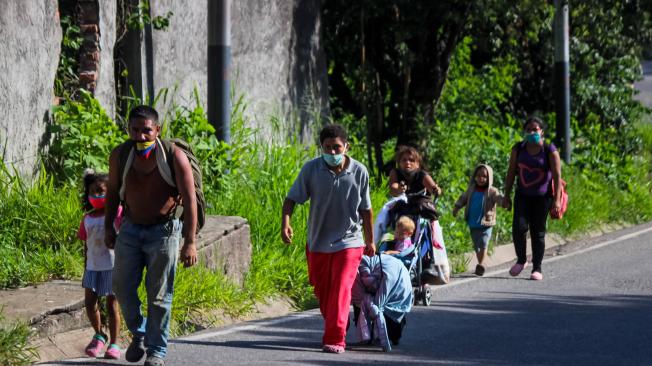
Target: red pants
x: 332, y: 276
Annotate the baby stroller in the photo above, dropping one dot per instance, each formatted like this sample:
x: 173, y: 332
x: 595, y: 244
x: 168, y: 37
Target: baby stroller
x: 381, y: 296
x: 426, y: 260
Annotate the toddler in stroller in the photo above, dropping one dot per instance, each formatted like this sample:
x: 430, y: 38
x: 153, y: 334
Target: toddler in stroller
x: 425, y: 260
x: 381, y: 297
x: 411, y: 180
x: 402, y: 240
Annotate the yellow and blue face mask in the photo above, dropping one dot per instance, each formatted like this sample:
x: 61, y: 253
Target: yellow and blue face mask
x: 144, y: 149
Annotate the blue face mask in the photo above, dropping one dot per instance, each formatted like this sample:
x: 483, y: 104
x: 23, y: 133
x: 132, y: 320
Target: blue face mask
x: 534, y: 138
x: 333, y: 159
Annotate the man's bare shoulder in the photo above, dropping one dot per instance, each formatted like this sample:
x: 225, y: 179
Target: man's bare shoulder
x: 180, y: 159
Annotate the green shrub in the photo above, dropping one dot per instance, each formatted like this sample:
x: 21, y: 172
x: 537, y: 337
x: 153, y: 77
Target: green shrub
x: 83, y: 136
x: 14, y: 347
x: 607, y: 181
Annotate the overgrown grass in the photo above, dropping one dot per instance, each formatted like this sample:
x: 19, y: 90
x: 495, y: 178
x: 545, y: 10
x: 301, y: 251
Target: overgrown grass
x: 14, y: 347
x: 38, y: 224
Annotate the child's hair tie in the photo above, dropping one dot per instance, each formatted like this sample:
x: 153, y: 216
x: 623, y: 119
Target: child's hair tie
x: 88, y: 171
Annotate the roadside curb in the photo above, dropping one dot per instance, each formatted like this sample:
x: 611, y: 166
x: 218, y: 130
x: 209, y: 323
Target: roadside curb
x: 504, y: 253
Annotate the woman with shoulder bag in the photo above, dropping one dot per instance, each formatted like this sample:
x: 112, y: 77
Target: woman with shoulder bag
x: 538, y: 167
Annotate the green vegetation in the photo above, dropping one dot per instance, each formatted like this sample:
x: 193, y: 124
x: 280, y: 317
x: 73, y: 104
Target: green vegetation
x: 67, y: 81
x: 40, y: 220
x: 468, y: 111
x: 37, y: 230
x: 14, y: 349
x: 608, y: 180
x: 389, y: 63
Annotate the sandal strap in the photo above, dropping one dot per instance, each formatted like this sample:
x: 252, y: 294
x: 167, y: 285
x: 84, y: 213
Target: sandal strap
x: 99, y: 337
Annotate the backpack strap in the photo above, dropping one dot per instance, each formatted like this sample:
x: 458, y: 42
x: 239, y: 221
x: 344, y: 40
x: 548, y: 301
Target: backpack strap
x: 125, y: 159
x: 165, y: 161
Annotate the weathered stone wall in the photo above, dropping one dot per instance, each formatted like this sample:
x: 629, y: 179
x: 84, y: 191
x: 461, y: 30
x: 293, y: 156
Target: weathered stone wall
x: 105, y: 90
x: 278, y: 65
x: 30, y: 37
x: 278, y: 62
x: 308, y: 74
x: 179, y: 52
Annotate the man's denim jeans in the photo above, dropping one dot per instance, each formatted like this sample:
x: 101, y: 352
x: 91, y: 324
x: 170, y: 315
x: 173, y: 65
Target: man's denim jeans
x: 155, y: 247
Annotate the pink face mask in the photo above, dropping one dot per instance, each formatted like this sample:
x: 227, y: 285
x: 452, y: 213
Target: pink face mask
x: 98, y: 202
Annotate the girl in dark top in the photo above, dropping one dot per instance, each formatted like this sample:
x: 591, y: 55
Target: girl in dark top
x: 411, y: 179
x: 538, y: 167
x: 419, y: 187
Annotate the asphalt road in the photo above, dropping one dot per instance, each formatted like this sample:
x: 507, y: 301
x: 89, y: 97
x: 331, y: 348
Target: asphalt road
x: 594, y: 307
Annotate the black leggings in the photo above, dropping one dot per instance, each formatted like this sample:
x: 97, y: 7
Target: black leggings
x: 530, y: 213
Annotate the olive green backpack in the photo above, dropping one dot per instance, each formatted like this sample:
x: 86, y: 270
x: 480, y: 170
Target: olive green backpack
x: 165, y: 162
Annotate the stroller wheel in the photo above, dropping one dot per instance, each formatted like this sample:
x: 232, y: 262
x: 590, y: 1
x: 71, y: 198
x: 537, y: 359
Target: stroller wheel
x: 427, y: 295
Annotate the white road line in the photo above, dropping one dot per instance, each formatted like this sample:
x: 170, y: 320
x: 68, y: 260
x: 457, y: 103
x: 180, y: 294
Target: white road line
x: 554, y: 259
x: 314, y: 312
x: 241, y: 328
x: 309, y: 313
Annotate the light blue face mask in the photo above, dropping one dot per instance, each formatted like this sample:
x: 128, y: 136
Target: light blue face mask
x: 333, y: 159
x: 534, y: 138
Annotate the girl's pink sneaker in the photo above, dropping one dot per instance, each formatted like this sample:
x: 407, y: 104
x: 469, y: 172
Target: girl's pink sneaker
x: 96, y: 346
x: 517, y: 269
x: 113, y: 352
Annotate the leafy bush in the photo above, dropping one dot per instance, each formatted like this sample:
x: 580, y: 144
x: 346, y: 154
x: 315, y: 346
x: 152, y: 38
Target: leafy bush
x: 67, y: 81
x: 216, y: 156
x: 83, y: 136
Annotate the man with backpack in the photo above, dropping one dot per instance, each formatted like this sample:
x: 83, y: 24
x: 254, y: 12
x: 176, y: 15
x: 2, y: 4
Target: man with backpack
x: 152, y: 178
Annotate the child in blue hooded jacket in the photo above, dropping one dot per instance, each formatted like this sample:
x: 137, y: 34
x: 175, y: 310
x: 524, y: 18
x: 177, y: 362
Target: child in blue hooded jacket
x: 479, y: 201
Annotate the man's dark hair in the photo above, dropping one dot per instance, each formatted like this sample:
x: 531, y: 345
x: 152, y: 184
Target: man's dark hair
x: 332, y: 131
x: 144, y: 112
x: 536, y: 120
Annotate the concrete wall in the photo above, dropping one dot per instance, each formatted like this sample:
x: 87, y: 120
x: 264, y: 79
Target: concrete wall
x: 278, y: 63
x: 179, y: 52
x: 105, y: 91
x: 30, y: 37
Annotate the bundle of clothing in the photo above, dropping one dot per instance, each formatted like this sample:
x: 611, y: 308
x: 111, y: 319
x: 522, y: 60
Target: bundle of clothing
x: 381, y: 296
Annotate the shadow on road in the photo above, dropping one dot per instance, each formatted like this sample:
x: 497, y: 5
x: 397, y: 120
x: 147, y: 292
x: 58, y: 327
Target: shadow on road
x: 505, y: 329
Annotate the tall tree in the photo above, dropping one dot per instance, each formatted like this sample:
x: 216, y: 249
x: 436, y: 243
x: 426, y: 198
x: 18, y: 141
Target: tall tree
x: 389, y: 60
x: 606, y: 42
